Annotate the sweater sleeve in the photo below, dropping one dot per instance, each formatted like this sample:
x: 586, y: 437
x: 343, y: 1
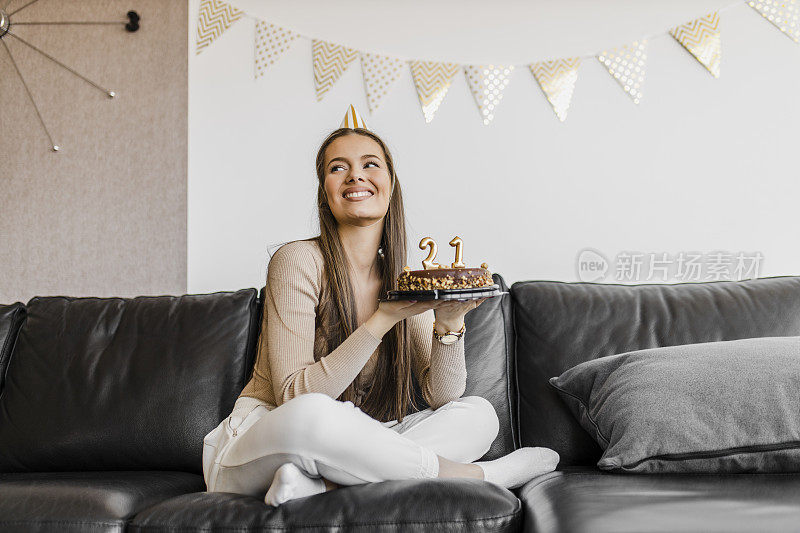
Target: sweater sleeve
x: 292, y: 297
x: 440, y: 369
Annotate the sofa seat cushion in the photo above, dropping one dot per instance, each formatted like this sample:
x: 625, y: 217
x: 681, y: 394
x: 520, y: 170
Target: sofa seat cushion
x: 403, y: 505
x: 85, y: 501
x: 588, y: 500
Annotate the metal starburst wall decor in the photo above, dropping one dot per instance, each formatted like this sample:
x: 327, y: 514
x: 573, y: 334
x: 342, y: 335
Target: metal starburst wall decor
x: 8, y: 22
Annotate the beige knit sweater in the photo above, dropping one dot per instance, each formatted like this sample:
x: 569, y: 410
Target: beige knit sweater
x: 289, y: 361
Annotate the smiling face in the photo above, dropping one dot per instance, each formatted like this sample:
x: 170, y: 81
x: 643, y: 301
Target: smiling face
x: 357, y: 180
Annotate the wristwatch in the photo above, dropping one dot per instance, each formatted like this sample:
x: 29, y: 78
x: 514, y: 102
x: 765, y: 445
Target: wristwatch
x: 449, y: 337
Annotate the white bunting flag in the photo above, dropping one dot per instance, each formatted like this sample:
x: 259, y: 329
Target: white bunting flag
x: 487, y: 83
x: 701, y: 38
x: 380, y: 73
x: 432, y: 81
x: 214, y: 18
x: 330, y: 62
x: 626, y: 65
x: 557, y: 80
x: 271, y: 42
x: 784, y: 14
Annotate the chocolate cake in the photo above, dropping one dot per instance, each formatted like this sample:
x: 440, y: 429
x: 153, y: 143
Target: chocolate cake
x: 444, y: 278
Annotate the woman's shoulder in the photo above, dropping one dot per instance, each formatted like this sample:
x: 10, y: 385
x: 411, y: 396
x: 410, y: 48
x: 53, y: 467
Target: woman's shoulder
x: 303, y: 247
x: 303, y: 255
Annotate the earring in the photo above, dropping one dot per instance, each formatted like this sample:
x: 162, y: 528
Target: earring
x: 380, y: 252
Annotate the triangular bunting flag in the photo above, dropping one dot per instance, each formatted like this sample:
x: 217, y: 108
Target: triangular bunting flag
x: 626, y: 64
x: 487, y: 83
x: 330, y: 62
x: 701, y: 38
x: 784, y: 14
x: 215, y: 17
x: 380, y: 72
x: 557, y: 80
x: 271, y: 42
x: 432, y: 81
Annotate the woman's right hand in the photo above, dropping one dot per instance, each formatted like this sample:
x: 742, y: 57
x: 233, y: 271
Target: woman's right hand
x: 401, y: 309
x: 390, y: 313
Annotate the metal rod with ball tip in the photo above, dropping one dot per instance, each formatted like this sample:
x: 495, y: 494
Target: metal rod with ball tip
x: 131, y: 25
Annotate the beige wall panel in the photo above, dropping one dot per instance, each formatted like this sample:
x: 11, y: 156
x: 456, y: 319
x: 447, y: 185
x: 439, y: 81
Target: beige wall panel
x: 106, y: 215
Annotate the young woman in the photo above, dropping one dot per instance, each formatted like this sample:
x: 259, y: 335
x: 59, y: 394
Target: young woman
x: 328, y: 399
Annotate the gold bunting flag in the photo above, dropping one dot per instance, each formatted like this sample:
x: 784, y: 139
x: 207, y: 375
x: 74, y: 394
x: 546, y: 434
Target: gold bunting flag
x: 380, y: 72
x: 215, y: 17
x: 557, y: 80
x: 330, y: 62
x: 487, y: 83
x: 271, y: 42
x: 701, y: 37
x: 626, y: 64
x: 432, y: 81
x: 784, y: 14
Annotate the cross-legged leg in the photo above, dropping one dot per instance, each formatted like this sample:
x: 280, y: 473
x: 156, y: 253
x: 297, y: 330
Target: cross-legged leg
x: 322, y: 436
x: 461, y: 430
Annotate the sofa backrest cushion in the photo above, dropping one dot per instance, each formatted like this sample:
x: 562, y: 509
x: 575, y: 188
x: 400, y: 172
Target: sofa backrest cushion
x: 559, y: 325
x: 488, y: 350
x: 11, y: 318
x: 124, y: 383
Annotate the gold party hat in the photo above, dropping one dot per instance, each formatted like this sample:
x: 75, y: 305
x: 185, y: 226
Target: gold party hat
x: 352, y: 119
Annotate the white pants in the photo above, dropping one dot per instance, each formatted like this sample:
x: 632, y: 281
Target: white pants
x: 336, y: 440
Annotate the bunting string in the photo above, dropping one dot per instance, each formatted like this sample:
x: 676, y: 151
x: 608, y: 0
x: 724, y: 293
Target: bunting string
x: 557, y: 78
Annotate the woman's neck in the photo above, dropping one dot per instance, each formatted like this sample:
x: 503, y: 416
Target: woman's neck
x: 361, y: 244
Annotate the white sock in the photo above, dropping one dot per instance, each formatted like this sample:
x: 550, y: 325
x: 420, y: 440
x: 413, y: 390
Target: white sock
x: 289, y: 483
x: 519, y: 467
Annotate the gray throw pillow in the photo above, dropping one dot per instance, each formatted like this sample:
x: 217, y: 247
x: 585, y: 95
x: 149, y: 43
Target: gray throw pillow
x: 727, y: 406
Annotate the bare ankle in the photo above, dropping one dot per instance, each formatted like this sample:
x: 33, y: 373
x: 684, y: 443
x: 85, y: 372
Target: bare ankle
x: 452, y: 469
x: 330, y: 485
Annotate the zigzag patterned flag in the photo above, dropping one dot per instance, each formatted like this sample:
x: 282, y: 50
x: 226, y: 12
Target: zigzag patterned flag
x: 215, y: 17
x: 626, y: 64
x: 784, y: 14
x: 487, y: 83
x: 557, y: 79
x: 432, y: 81
x: 380, y: 72
x: 701, y: 37
x: 271, y: 42
x: 330, y: 62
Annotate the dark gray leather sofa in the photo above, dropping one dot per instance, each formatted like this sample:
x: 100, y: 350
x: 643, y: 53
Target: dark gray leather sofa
x: 104, y: 403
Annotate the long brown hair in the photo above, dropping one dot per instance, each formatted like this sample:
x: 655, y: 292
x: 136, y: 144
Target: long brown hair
x: 391, y: 392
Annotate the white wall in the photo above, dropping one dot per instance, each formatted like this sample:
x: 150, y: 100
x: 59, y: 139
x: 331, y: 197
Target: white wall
x: 699, y: 165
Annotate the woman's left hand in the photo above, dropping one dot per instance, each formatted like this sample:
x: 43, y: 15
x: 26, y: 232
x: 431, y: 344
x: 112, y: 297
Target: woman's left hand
x: 449, y: 314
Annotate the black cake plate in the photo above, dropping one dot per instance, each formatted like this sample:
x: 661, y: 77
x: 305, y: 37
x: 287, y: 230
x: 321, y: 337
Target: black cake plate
x: 461, y: 295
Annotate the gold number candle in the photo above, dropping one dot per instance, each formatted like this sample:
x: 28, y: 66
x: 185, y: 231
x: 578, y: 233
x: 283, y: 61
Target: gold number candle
x: 459, y: 244
x: 428, y: 263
